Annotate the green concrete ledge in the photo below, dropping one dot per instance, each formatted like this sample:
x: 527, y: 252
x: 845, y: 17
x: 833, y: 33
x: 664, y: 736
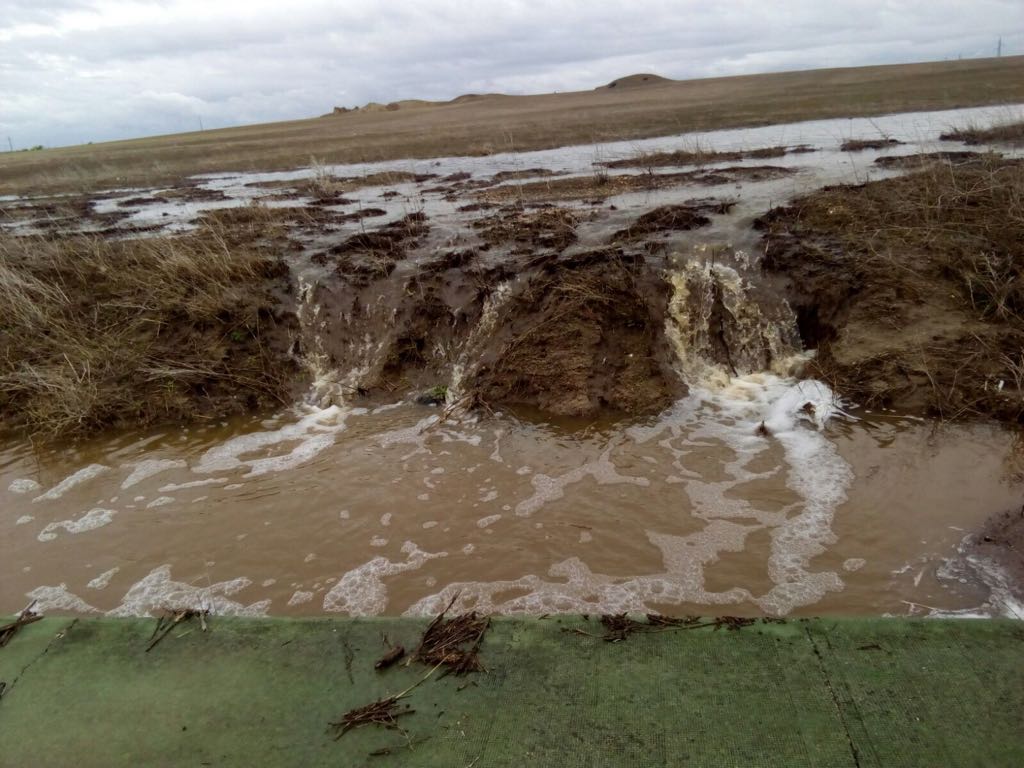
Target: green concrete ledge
x: 260, y: 692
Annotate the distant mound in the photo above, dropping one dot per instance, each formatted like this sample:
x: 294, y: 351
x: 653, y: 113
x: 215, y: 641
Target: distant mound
x: 641, y: 80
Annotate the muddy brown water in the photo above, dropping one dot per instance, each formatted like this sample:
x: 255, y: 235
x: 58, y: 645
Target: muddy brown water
x: 392, y: 507
x: 392, y: 512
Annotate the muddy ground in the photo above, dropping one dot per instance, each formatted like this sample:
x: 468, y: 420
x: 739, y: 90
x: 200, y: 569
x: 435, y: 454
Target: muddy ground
x: 519, y: 314
x: 908, y: 287
x: 1002, y: 540
x: 911, y: 288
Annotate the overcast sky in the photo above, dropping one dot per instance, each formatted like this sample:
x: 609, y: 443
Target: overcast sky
x: 73, y: 71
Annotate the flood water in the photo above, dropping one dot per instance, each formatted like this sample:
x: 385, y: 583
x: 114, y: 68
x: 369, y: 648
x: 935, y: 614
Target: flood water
x: 389, y: 511
x: 397, y: 507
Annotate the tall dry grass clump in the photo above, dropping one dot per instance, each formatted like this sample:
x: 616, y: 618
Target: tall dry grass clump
x: 1002, y: 133
x: 95, y: 333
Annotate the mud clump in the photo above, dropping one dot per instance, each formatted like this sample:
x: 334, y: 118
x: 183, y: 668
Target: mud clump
x: 550, y: 228
x: 669, y: 218
x: 584, y: 335
x: 912, y: 289
x: 366, y: 256
x: 859, y: 145
x: 525, y: 173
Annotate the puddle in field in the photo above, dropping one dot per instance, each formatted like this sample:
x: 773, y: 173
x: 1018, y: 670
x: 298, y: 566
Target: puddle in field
x: 396, y: 507
x: 391, y: 511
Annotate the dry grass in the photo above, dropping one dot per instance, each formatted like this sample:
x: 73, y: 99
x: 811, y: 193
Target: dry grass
x: 601, y: 184
x: 97, y: 333
x: 504, y: 123
x: 1006, y: 133
x: 697, y: 154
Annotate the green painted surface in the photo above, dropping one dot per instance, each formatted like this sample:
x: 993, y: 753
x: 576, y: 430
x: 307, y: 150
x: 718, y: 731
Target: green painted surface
x: 261, y: 693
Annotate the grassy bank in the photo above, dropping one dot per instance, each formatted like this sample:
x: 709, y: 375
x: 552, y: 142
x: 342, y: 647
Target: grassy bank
x: 496, y: 123
x: 98, y: 333
x: 912, y: 288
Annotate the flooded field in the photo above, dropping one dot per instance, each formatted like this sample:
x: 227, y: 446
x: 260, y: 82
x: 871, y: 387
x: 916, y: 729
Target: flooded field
x: 536, y: 382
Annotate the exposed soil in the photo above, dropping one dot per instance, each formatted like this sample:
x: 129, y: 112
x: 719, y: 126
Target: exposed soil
x: 669, y: 218
x: 911, y: 288
x: 551, y: 228
x: 585, y: 334
x: 859, y: 145
x: 526, y: 173
x: 601, y: 184
x: 1002, y: 539
x: 568, y: 335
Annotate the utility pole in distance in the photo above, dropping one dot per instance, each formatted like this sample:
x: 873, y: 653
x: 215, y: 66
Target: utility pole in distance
x: 9, y: 144
x: 999, y: 49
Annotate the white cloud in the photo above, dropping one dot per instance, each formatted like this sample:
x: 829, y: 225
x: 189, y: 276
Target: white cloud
x: 74, y: 71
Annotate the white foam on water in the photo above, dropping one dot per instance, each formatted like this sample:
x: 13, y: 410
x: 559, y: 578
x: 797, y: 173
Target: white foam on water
x: 23, y: 485
x: 427, y: 429
x: 147, y: 468
x: 160, y: 501
x: 157, y: 592
x: 815, y: 472
x: 103, y: 580
x: 362, y: 592
x: 24, y: 519
x: 171, y: 487
x: 58, y: 598
x: 483, y: 522
x: 316, y: 431
x: 729, y: 411
x: 852, y: 564
x: 81, y: 476
x: 91, y: 520
x: 300, y: 597
x: 548, y: 488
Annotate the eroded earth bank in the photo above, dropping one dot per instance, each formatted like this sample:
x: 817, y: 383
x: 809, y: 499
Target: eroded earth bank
x: 757, y: 368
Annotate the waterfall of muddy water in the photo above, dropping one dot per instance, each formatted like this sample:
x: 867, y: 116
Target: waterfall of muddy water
x: 746, y: 491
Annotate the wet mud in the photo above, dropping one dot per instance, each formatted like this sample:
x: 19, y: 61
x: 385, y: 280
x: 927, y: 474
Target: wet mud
x: 908, y: 288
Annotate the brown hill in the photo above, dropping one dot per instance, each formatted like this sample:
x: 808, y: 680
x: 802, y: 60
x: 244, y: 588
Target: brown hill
x: 641, y: 80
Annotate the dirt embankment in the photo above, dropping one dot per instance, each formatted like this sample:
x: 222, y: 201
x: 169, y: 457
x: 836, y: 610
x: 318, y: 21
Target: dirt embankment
x: 514, y: 319
x: 912, y: 289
